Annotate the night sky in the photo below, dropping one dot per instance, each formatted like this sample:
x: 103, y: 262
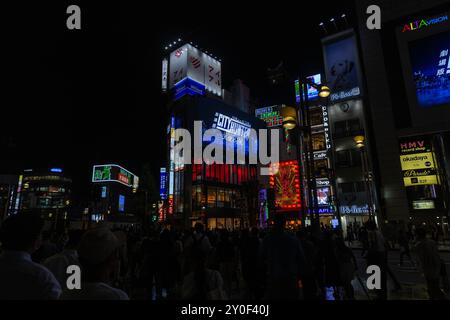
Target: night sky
x: 73, y: 98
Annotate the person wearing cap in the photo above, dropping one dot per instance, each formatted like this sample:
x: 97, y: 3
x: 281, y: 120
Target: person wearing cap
x: 98, y: 253
x: 20, y: 277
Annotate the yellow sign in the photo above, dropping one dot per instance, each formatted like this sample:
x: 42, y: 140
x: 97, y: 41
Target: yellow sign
x: 420, y: 181
x: 417, y: 161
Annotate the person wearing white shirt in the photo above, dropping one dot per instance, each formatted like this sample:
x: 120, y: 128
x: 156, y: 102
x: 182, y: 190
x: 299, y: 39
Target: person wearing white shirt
x: 59, y: 262
x: 20, y: 277
x: 99, y: 256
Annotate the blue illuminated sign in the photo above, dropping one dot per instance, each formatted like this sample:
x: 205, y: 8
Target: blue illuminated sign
x: 190, y: 87
x: 313, y: 93
x: 121, y: 203
x: 56, y: 170
x: 162, y: 184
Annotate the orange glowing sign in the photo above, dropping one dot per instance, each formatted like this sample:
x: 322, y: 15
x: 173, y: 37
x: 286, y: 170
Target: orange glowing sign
x: 286, y: 184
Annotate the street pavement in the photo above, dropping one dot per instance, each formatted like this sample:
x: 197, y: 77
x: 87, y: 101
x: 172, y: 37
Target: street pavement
x: 409, y: 276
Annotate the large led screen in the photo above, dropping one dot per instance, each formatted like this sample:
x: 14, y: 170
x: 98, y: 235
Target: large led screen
x: 431, y: 70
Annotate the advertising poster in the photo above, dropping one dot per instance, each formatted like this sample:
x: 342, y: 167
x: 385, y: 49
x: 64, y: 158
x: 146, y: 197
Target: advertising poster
x: 430, y: 62
x: 417, y: 162
x: 342, y: 68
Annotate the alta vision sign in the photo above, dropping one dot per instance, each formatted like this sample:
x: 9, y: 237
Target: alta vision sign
x: 420, y: 24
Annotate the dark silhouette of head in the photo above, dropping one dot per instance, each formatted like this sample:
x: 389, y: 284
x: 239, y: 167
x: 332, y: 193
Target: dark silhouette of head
x: 279, y: 222
x: 421, y: 233
x: 22, y: 232
x: 199, y: 228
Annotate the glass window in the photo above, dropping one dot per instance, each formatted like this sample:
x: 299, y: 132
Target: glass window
x: 212, y: 197
x: 318, y: 141
x: 354, y: 125
x: 340, y: 127
x: 346, y: 187
x: 316, y: 117
x: 356, y: 157
x: 321, y: 168
x: 343, y: 158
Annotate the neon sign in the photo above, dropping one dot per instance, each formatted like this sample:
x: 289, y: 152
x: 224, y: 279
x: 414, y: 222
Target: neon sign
x: 231, y: 125
x: 114, y: 173
x: 286, y: 183
x: 419, y: 24
x: 270, y: 115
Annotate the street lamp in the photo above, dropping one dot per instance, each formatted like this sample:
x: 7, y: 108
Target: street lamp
x: 359, y: 142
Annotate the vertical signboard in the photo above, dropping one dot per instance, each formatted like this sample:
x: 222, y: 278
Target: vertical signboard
x: 162, y: 184
x: 165, y: 70
x: 213, y: 76
x: 417, y: 162
x: 178, y: 65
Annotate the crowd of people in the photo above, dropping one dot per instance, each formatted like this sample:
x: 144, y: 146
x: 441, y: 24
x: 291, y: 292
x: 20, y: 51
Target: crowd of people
x: 196, y: 264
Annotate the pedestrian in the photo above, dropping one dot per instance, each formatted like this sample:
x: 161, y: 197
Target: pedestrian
x: 202, y: 283
x: 378, y: 255
x: 197, y: 240
x: 20, y: 277
x: 363, y: 238
x: 403, y: 242
x: 430, y: 263
x: 284, y: 259
x: 347, y: 267
x: 309, y: 281
x: 99, y: 256
x: 59, y: 262
x: 226, y: 258
x: 251, y: 267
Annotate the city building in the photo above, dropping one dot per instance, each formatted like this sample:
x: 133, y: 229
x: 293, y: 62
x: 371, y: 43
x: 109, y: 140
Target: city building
x: 407, y: 69
x: 216, y: 194
x: 113, y: 194
x: 47, y: 191
x: 8, y: 192
x: 284, y: 187
x: 348, y: 119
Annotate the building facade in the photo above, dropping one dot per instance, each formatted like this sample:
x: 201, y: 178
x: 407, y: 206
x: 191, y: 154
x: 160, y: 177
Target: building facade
x: 408, y: 85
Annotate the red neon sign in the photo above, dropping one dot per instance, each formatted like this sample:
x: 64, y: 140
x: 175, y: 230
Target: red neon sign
x: 286, y: 184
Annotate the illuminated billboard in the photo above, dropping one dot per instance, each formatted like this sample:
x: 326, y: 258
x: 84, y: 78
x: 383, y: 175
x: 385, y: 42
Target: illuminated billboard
x: 194, y: 72
x: 162, y: 184
x: 430, y: 62
x: 114, y: 173
x: 417, y: 162
x: 313, y: 93
x: 270, y: 115
x: 121, y: 203
x: 286, y: 184
x: 342, y: 67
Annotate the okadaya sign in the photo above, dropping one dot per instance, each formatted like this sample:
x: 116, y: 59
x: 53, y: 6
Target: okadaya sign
x: 417, y: 162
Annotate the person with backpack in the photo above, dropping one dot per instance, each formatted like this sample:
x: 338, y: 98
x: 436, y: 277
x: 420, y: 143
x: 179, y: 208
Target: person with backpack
x: 226, y: 258
x: 197, y: 241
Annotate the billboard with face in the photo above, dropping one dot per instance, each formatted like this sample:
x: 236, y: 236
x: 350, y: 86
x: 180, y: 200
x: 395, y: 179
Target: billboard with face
x: 342, y: 67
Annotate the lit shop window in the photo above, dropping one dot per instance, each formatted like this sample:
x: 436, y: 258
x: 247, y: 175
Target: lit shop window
x: 318, y: 141
x: 321, y: 168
